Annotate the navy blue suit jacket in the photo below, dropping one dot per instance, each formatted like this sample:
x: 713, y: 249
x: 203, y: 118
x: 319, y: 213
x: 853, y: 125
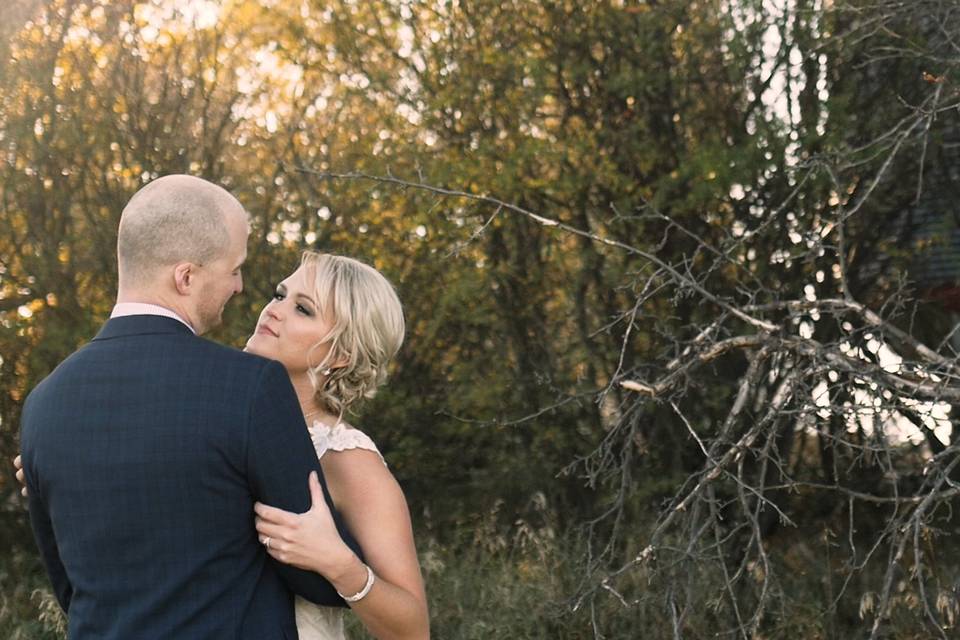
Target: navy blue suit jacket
x: 144, y: 452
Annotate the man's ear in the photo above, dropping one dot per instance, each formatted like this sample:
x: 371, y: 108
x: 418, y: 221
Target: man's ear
x: 184, y: 275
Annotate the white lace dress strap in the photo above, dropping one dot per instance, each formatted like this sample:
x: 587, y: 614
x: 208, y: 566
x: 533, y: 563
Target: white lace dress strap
x: 340, y: 437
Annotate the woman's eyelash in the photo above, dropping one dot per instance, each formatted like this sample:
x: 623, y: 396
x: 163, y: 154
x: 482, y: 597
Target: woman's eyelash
x: 280, y: 295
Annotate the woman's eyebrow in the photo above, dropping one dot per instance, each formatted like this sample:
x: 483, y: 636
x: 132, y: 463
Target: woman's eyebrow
x: 307, y: 298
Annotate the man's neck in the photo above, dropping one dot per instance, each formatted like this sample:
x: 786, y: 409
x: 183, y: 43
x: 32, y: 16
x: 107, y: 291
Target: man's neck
x: 141, y: 295
x: 148, y: 305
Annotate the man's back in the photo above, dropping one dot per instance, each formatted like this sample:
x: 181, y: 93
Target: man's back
x: 145, y: 452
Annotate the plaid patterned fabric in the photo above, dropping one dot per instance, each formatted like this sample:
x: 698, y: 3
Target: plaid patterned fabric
x: 144, y: 452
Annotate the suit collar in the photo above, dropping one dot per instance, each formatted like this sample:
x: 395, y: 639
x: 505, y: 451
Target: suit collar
x: 141, y: 325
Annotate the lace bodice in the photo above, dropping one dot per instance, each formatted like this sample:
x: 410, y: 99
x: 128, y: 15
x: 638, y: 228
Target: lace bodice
x: 315, y: 622
x: 340, y: 437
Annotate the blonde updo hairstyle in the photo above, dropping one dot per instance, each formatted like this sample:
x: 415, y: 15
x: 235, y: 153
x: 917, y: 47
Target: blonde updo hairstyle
x: 367, y: 329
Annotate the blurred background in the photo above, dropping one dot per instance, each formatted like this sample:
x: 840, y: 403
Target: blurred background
x: 569, y: 196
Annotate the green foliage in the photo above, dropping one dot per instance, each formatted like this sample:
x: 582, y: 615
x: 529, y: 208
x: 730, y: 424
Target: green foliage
x: 28, y: 610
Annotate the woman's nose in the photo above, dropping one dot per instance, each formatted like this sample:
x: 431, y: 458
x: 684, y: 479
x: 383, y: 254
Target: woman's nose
x: 274, y: 312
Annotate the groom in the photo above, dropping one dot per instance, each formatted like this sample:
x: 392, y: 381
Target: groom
x: 145, y: 450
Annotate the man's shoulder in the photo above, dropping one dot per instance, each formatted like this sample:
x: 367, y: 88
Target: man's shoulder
x: 169, y: 351
x: 51, y: 378
x: 219, y: 350
x: 238, y: 368
x: 235, y: 357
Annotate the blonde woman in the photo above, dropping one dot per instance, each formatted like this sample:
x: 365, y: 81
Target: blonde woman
x: 335, y: 324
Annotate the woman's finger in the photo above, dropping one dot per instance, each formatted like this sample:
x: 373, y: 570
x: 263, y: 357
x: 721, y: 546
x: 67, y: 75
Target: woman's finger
x: 286, y: 555
x: 271, y: 531
x: 271, y: 543
x: 274, y: 548
x: 274, y: 531
x: 273, y: 514
x: 23, y: 482
x: 274, y: 554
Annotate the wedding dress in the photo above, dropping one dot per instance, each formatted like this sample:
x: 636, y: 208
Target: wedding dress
x: 313, y: 621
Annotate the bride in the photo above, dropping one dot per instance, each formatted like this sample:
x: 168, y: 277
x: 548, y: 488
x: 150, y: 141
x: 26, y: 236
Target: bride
x: 334, y: 324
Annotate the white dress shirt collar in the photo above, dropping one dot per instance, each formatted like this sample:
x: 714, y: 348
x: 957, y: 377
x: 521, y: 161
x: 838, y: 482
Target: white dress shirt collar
x: 144, y: 309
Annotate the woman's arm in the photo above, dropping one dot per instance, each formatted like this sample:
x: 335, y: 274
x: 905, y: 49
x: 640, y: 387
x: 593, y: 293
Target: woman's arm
x: 375, y: 510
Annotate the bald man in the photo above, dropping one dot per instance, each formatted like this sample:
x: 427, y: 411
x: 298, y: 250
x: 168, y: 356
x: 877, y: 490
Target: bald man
x: 145, y: 450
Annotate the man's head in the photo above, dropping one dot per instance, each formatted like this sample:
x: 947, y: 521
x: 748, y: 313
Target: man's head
x: 181, y: 243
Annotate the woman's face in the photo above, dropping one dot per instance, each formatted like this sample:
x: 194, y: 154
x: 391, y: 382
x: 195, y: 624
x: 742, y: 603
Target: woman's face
x: 290, y: 326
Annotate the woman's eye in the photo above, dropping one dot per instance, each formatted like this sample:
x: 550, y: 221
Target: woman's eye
x: 277, y: 295
x: 302, y: 309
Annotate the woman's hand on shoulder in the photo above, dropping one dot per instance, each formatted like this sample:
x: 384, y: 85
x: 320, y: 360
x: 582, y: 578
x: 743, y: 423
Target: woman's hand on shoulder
x: 307, y: 540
